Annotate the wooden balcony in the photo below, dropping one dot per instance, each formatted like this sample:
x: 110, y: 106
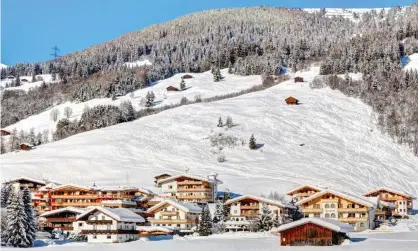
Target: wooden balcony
x: 383, y: 212
x: 70, y: 219
x: 71, y: 196
x: 190, y: 182
x: 353, y: 219
x: 353, y: 210
x: 393, y: 198
x: 306, y: 194
x: 99, y: 222
x: 66, y: 228
x: 169, y: 213
x: 175, y: 221
x: 329, y: 200
x: 243, y: 207
x: 312, y: 210
x: 75, y: 204
x: 192, y: 197
x: 197, y: 189
x: 118, y: 231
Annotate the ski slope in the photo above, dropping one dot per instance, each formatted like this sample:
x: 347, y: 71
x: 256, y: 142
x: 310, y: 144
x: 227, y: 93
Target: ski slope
x: 201, y: 84
x: 342, y: 146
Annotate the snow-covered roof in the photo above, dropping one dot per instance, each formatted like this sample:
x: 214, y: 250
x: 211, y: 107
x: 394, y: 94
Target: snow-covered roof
x: 332, y: 224
x: 126, y: 202
x: 188, y: 176
x: 154, y: 229
x: 70, y: 185
x: 260, y: 199
x: 302, y: 187
x: 26, y: 143
x: 65, y: 209
x: 48, y: 186
x: 146, y: 191
x: 391, y: 191
x: 115, y: 188
x: 184, y: 206
x: 27, y: 179
x: 349, y: 196
x: 387, y: 204
x: 119, y: 214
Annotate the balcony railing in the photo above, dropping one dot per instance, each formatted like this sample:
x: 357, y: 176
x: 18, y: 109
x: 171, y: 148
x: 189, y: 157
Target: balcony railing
x: 312, y: 210
x: 354, y: 210
x: 99, y: 222
x: 175, y: 221
x: 118, y: 231
x: 70, y: 219
x: 393, y: 198
x: 190, y: 182
x: 191, y: 189
x: 352, y: 219
x: 249, y: 206
x: 190, y: 197
x: 73, y: 196
x: 67, y: 228
x: 76, y: 204
x: 169, y: 213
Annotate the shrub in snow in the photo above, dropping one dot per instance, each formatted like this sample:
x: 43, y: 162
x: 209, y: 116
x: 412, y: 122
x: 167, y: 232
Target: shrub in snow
x: 184, y: 101
x: 77, y: 236
x: 198, y: 98
x: 221, y: 158
x: 220, y: 123
x: 182, y: 84
x: 54, y: 114
x: 229, y: 123
x: 317, y: 83
x: 253, y: 143
x: 68, y: 111
x: 221, y: 139
x: 150, y: 97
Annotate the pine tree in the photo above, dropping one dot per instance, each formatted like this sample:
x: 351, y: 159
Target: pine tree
x: 229, y: 122
x: 128, y: 112
x: 17, y: 82
x: 226, y: 208
x: 217, y: 75
x: 33, y: 77
x: 205, y: 223
x: 219, y: 213
x: 265, y: 220
x: 149, y: 99
x: 30, y: 224
x: 6, y: 190
x: 220, y: 123
x: 253, y: 143
x: 15, y: 234
x: 182, y: 84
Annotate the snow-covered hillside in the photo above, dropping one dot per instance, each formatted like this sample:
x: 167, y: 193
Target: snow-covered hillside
x: 329, y: 139
x: 27, y: 83
x: 345, y: 13
x: 410, y: 62
x: 201, y: 84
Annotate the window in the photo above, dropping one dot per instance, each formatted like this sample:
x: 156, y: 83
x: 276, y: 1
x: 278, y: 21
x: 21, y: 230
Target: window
x: 326, y: 206
x: 94, y: 236
x: 170, y: 187
x: 316, y: 206
x: 362, y: 224
x: 332, y: 215
x: 332, y: 205
x: 103, y: 217
x: 326, y: 215
x: 109, y: 237
x: 178, y: 225
x: 235, y: 211
x: 317, y: 215
x: 80, y: 224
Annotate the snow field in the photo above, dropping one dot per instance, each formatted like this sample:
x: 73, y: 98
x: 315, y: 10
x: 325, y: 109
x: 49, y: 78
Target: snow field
x: 342, y: 147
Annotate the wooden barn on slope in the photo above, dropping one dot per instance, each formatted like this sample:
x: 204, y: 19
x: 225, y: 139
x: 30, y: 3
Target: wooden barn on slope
x: 291, y: 101
x: 172, y: 89
x: 187, y: 76
x: 298, y: 79
x: 26, y: 147
x: 314, y: 232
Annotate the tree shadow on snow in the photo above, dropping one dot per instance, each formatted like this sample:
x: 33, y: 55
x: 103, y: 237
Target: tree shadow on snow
x: 358, y: 239
x: 258, y: 146
x: 187, y: 88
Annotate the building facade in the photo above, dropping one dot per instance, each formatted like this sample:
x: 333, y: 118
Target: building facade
x: 246, y: 209
x: 355, y: 210
x: 110, y: 225
x: 190, y: 188
x: 63, y: 219
x: 175, y: 214
x: 303, y: 192
x: 403, y: 202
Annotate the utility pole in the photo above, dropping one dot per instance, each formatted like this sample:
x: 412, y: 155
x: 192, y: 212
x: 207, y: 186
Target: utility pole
x: 55, y: 51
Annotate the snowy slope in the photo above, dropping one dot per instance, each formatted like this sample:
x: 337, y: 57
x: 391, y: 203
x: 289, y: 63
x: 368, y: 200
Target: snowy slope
x: 345, y: 13
x: 343, y: 148
x: 410, y: 62
x: 202, y: 84
x: 29, y: 84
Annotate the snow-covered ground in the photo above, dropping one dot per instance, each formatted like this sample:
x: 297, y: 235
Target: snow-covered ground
x: 329, y: 139
x: 47, y: 78
x: 410, y: 62
x: 346, y: 13
x: 244, y: 242
x: 138, y: 63
x: 201, y: 84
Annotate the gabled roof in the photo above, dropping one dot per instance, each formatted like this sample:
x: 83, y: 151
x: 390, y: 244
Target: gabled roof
x: 48, y: 187
x: 351, y: 197
x: 119, y: 214
x: 390, y: 190
x: 302, y: 187
x: 27, y: 179
x: 184, y: 206
x: 70, y: 185
x: 146, y: 191
x: 260, y: 199
x: 332, y: 224
x: 188, y: 176
x: 161, y: 175
x: 65, y: 209
x: 26, y: 143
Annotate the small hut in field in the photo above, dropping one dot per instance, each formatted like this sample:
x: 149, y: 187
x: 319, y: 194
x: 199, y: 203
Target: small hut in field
x: 172, y: 89
x: 291, y: 101
x: 298, y: 79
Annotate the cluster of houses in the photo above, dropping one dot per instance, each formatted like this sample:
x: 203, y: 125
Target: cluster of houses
x: 120, y: 214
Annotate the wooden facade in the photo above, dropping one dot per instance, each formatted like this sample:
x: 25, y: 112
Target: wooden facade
x: 63, y: 221
x: 291, y: 101
x: 303, y: 192
x: 310, y: 234
x: 298, y: 79
x: 172, y: 89
x: 403, y: 202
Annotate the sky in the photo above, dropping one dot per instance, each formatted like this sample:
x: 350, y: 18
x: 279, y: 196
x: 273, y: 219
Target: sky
x: 30, y: 28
